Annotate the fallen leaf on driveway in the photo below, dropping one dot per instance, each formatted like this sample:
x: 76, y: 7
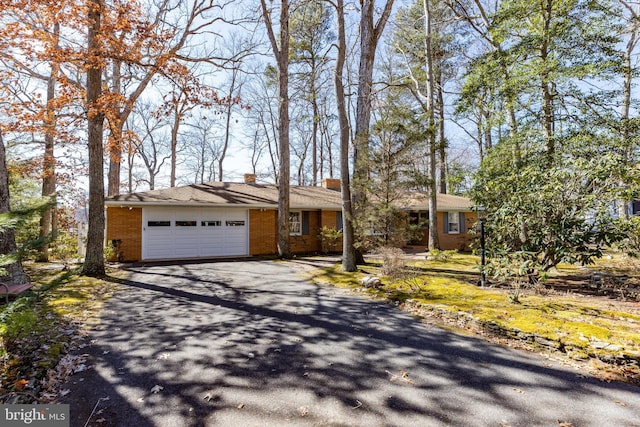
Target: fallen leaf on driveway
x: 403, y: 374
x: 157, y: 389
x: 405, y: 377
x: 518, y: 390
x: 240, y: 406
x: 621, y: 403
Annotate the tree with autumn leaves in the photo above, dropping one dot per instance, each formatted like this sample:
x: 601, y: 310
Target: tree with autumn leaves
x: 94, y: 59
x: 149, y: 43
x: 33, y: 64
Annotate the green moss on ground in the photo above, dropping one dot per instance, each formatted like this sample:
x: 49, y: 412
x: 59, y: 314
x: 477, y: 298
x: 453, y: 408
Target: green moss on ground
x: 579, y: 326
x: 38, y: 328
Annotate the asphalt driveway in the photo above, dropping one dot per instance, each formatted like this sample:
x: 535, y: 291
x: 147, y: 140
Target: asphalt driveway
x: 251, y: 343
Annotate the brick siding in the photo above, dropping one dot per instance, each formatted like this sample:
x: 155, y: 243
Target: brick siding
x: 124, y: 225
x: 263, y: 231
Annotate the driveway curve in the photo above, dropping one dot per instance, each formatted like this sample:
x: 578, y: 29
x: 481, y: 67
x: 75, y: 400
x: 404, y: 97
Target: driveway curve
x: 251, y: 343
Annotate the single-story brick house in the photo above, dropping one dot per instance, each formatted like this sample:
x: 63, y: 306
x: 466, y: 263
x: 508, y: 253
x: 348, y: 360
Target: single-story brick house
x: 219, y: 219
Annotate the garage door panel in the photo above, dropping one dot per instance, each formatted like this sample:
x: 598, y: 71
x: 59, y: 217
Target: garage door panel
x: 159, y: 248
x: 194, y: 232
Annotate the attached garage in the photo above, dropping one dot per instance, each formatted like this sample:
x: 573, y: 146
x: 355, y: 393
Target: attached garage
x: 194, y: 232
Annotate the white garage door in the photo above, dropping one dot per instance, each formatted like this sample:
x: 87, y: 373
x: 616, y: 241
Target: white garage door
x: 177, y: 233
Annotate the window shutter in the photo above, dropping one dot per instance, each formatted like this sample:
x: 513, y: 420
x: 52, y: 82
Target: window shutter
x: 305, y: 222
x: 463, y: 228
x: 446, y: 222
x: 339, y: 224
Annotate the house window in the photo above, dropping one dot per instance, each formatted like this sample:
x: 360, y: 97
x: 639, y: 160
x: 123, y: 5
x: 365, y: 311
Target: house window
x: 419, y: 219
x: 235, y: 223
x: 211, y: 223
x: 159, y: 223
x: 295, y: 223
x: 186, y: 223
x: 454, y: 223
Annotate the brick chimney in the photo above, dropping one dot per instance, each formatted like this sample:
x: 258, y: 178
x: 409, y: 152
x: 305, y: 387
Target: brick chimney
x: 249, y: 178
x: 331, y: 184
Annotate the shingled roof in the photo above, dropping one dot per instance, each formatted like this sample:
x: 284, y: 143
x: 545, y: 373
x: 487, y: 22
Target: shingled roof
x: 232, y: 194
x: 446, y: 202
x: 229, y: 194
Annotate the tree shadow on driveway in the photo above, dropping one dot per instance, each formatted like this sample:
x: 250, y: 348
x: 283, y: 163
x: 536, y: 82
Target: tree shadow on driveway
x: 252, y: 343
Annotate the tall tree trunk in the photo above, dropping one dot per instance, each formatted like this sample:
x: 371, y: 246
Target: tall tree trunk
x: 113, y: 183
x: 130, y: 159
x: 47, y: 218
x: 94, y: 258
x: 232, y: 88
x: 125, y: 106
x: 481, y: 130
x: 626, y: 99
x: 433, y: 203
x: 546, y: 86
x: 8, y: 246
x: 370, y: 33
x: 368, y: 43
x: 442, y: 141
x: 115, y: 160
x: 284, y: 245
x: 348, y: 248
x: 314, y: 134
x: 488, y: 139
x: 281, y: 53
x: 117, y: 129
x: 174, y: 149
